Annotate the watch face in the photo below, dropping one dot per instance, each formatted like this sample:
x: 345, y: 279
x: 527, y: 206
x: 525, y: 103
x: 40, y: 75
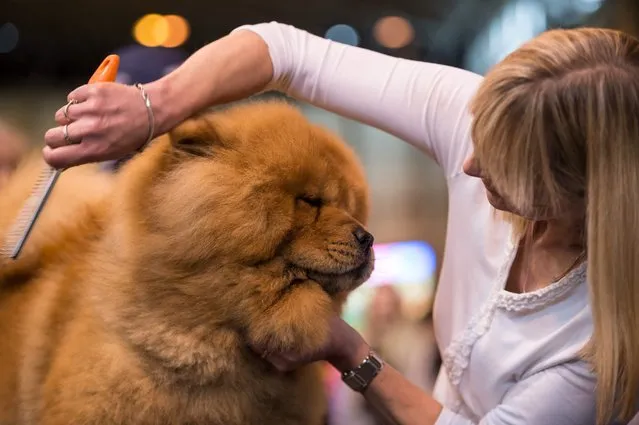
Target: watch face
x: 355, y: 381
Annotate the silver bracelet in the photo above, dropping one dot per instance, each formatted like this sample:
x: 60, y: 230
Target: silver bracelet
x: 149, y: 112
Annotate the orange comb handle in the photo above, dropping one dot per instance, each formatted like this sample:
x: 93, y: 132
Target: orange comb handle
x: 107, y: 71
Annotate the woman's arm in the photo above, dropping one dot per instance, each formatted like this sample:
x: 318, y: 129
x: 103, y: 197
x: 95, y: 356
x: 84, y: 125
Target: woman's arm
x: 424, y: 104
x: 561, y: 395
x: 558, y: 396
x: 401, y: 402
x: 110, y: 119
x: 393, y: 396
x: 229, y: 69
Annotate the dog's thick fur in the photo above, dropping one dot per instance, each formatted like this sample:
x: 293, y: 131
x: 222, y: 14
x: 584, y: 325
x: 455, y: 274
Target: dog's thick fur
x: 137, y: 297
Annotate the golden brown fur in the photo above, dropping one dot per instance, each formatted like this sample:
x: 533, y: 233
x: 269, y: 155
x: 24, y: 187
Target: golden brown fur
x: 137, y: 295
x: 13, y: 146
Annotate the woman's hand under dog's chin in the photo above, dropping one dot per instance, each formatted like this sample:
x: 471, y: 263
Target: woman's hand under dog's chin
x: 344, y: 350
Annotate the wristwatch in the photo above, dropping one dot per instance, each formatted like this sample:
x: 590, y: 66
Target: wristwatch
x: 360, y: 378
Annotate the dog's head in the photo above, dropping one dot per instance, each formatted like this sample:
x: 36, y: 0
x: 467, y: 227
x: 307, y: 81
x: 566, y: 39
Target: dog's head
x: 255, y: 192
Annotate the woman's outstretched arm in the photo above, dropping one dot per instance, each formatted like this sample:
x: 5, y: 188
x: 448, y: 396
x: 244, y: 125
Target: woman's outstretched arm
x: 422, y: 103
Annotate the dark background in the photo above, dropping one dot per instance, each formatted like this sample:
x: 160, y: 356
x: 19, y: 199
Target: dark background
x: 65, y: 40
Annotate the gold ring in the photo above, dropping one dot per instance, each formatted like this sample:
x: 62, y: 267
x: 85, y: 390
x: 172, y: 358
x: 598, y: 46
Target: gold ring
x: 65, y: 133
x: 65, y: 111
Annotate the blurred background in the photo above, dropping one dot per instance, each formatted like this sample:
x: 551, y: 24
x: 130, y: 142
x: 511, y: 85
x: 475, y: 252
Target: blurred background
x: 47, y: 48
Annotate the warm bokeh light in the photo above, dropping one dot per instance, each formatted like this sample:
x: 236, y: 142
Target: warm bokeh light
x: 151, y: 30
x: 394, y: 32
x: 154, y: 30
x: 178, y: 31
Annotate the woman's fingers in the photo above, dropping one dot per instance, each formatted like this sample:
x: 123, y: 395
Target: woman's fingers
x: 70, y: 134
x: 108, y: 121
x: 72, y: 155
x: 70, y: 112
x: 81, y: 93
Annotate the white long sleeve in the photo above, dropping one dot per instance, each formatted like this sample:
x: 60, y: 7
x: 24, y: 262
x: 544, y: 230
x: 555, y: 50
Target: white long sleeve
x: 422, y: 103
x: 559, y: 396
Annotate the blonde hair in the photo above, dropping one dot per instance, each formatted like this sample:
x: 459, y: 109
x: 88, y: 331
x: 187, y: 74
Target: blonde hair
x: 557, y: 123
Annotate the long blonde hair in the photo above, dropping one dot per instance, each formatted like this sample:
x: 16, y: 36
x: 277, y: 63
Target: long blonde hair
x: 555, y: 123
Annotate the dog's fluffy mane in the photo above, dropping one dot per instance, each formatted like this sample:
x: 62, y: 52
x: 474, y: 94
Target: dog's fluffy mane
x: 100, y: 333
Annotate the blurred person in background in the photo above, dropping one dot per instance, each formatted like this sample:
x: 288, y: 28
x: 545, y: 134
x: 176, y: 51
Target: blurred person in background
x: 13, y: 147
x: 406, y: 344
x: 536, y: 307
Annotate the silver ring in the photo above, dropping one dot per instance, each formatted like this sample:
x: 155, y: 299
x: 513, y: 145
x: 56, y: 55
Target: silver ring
x: 65, y: 111
x: 65, y: 133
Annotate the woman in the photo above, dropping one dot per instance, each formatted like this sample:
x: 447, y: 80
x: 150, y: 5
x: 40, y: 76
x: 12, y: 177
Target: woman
x: 549, y: 138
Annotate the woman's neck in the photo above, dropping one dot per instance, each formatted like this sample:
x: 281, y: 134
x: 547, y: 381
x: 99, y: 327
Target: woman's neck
x: 564, y: 233
x: 549, y: 250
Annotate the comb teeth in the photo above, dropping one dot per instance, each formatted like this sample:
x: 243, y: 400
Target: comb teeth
x: 18, y: 233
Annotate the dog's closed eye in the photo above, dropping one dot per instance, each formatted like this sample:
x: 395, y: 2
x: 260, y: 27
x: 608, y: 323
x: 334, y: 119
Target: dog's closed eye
x: 313, y: 201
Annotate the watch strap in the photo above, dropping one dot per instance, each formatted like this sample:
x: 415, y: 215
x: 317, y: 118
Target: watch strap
x: 361, y: 377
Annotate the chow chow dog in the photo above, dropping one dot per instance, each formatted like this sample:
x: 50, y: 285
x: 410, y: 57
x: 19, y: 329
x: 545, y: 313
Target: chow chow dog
x: 137, y: 297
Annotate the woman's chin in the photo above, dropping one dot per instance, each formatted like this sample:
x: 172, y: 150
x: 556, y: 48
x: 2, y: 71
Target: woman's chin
x: 497, y: 202
x: 500, y: 204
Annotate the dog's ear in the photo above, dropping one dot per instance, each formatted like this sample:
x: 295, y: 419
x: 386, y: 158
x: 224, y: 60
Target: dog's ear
x: 195, y: 137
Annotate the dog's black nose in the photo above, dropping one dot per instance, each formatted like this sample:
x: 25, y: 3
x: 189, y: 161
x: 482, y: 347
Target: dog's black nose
x: 364, y: 238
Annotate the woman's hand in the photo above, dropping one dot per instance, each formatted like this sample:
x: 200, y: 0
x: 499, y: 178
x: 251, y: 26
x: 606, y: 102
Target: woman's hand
x: 108, y: 121
x: 394, y: 397
x: 345, y: 350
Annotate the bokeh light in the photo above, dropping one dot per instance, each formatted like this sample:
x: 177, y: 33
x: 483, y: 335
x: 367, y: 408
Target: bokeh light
x: 9, y: 37
x: 178, y: 31
x: 343, y: 33
x: 394, y: 32
x: 150, y: 30
x: 155, y: 30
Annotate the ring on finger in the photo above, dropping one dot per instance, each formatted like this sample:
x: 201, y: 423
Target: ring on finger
x: 65, y: 111
x: 65, y: 133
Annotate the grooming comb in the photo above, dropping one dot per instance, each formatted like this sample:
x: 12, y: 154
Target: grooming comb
x: 24, y: 223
